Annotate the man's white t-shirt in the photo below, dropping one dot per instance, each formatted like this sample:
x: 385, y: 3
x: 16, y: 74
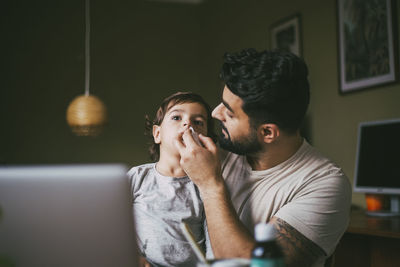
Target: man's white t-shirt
x: 308, y: 191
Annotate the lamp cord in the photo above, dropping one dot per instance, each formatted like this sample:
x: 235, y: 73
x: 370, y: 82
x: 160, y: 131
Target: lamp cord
x: 87, y: 48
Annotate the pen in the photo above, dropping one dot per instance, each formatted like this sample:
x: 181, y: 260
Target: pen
x: 189, y: 236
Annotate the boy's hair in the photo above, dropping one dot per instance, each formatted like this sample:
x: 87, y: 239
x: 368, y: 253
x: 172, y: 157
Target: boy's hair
x: 272, y: 84
x: 167, y: 104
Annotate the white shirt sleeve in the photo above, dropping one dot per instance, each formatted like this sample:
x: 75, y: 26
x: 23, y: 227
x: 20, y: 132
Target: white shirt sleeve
x: 322, y: 213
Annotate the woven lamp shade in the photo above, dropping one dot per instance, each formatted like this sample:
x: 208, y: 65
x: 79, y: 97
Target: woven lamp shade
x: 86, y: 115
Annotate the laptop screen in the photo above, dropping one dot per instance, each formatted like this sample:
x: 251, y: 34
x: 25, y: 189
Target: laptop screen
x: 66, y: 215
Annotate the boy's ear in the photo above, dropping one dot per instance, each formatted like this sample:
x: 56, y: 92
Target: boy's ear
x: 156, y: 134
x: 269, y: 132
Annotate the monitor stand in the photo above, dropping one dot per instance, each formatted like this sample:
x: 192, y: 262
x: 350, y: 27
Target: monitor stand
x: 394, y: 208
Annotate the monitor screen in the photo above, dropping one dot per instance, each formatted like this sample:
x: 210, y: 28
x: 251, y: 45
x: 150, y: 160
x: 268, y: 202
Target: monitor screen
x: 377, y: 167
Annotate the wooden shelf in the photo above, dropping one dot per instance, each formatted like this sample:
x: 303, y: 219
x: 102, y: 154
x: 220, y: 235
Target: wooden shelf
x: 361, y: 223
x: 369, y: 242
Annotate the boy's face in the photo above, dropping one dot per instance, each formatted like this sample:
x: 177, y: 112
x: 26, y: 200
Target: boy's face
x: 177, y: 119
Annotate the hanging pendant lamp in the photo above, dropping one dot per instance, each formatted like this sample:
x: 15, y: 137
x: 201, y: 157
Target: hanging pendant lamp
x: 86, y: 114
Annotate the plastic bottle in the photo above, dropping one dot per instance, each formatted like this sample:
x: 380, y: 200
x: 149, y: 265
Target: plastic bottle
x: 266, y: 252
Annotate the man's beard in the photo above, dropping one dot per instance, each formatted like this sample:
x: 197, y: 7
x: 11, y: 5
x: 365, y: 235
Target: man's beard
x: 244, y: 146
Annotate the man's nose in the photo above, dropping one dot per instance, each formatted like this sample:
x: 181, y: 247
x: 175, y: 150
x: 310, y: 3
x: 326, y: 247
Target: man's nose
x: 216, y: 113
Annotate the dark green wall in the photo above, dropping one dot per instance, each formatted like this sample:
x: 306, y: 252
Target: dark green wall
x: 140, y: 53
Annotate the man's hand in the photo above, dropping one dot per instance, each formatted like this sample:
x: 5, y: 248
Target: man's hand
x: 229, y: 238
x: 201, y: 163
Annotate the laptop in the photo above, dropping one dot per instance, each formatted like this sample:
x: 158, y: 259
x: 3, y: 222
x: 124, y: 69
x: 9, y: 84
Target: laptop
x: 66, y: 215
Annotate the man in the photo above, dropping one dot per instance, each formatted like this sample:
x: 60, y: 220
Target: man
x: 271, y: 174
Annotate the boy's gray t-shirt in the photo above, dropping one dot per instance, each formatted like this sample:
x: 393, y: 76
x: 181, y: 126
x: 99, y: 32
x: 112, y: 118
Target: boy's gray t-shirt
x: 160, y: 203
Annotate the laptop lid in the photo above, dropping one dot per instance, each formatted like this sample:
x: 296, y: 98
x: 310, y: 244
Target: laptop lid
x: 66, y: 215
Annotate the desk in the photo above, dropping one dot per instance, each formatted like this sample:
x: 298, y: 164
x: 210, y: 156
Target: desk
x: 369, y: 241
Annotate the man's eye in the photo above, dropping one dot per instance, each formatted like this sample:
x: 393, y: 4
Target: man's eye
x: 229, y: 114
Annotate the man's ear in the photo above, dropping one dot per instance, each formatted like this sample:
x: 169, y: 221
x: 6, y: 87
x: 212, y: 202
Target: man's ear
x: 269, y: 132
x: 156, y: 134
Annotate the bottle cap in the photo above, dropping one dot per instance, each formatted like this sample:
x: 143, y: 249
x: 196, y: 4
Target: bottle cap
x: 264, y: 232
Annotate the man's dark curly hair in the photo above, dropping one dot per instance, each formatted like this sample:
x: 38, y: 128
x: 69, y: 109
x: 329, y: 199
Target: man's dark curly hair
x: 167, y: 104
x: 272, y: 84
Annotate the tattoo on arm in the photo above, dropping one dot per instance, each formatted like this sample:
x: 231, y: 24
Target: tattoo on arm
x: 298, y: 250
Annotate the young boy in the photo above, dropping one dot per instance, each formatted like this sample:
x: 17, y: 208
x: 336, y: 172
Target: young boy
x: 163, y: 195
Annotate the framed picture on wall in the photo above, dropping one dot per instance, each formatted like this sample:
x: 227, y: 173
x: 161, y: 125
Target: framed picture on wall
x: 286, y: 35
x: 367, y: 45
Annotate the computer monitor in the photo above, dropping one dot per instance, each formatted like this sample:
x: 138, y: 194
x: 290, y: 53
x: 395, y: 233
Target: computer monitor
x: 377, y: 168
x: 66, y: 215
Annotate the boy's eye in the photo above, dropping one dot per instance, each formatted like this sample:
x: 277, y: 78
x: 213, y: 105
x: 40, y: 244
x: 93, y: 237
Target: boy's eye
x: 176, y: 118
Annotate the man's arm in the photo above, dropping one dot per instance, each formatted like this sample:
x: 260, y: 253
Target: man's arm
x: 298, y: 250
x: 229, y: 237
